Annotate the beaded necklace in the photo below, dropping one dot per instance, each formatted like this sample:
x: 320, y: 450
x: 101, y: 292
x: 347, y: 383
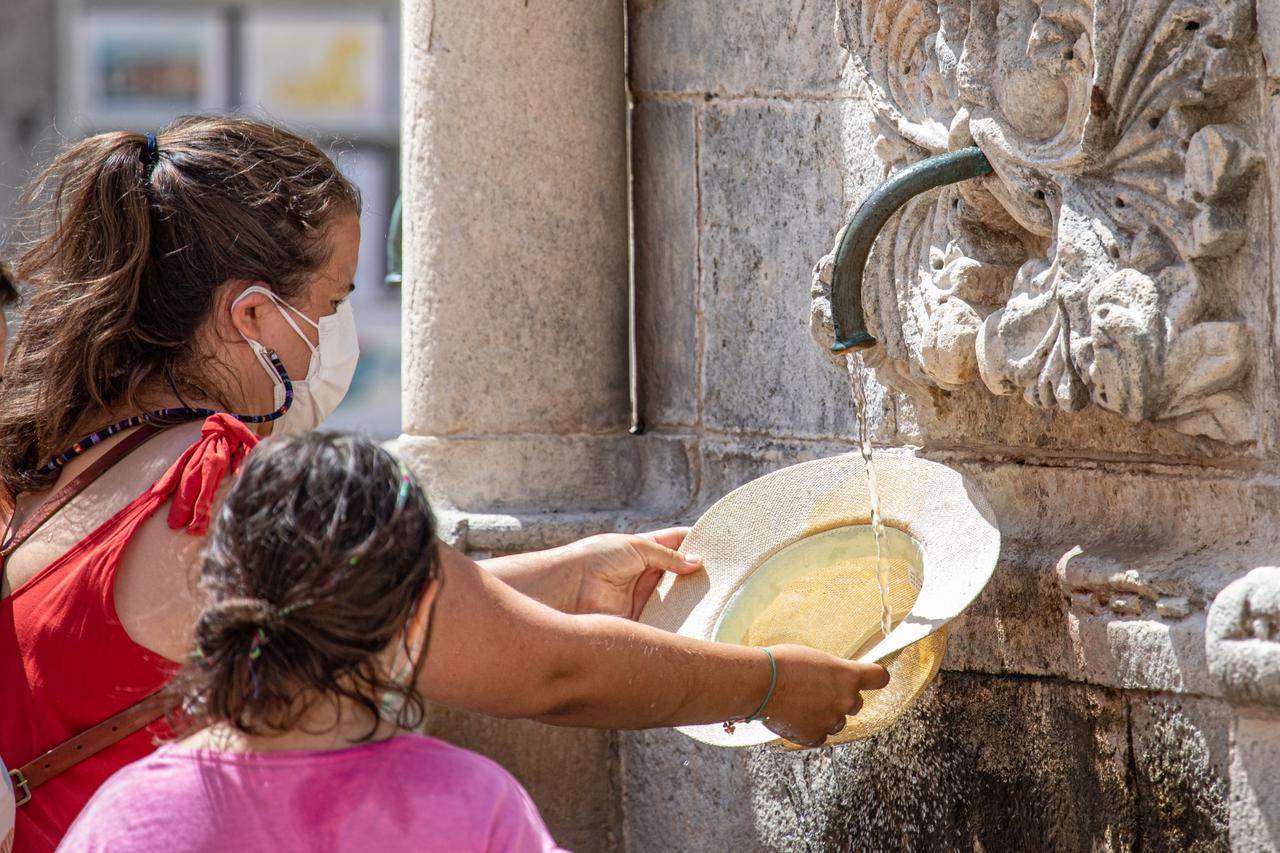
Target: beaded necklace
x: 177, y: 413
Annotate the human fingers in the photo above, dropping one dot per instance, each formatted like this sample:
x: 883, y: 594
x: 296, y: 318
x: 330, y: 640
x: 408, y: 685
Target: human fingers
x: 645, y: 586
x: 871, y: 676
x: 815, y: 692
x: 670, y: 537
x: 658, y: 556
x: 788, y: 732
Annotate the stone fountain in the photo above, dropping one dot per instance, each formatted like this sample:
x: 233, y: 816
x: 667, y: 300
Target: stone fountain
x: 1089, y: 333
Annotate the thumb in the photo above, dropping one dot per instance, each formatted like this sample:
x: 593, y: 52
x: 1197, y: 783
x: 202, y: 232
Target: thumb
x: 871, y: 676
x: 657, y: 556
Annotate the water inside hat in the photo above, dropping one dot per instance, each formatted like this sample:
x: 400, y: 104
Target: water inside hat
x: 823, y: 592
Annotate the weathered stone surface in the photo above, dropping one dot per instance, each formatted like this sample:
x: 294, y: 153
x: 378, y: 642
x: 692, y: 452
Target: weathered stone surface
x: 1146, y: 517
x: 683, y: 795
x: 1181, y: 755
x: 1243, y: 642
x: 697, y: 46
x: 1083, y: 270
x: 1018, y: 624
x: 1139, y: 560
x: 973, y: 417
x: 1269, y: 35
x: 572, y: 774
x: 555, y: 474
x: 1267, y: 383
x: 515, y: 219
x: 1142, y: 654
x: 979, y: 763
x: 666, y: 260
x: 1255, y: 786
x: 771, y: 185
x: 515, y: 334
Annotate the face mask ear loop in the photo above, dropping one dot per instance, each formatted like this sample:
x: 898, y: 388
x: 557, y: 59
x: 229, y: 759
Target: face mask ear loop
x: 281, y: 304
x: 285, y: 309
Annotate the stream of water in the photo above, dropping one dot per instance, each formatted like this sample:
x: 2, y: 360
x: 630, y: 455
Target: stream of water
x: 864, y: 444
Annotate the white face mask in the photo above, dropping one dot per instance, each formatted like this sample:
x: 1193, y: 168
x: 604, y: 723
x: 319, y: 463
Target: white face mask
x: 333, y: 363
x: 408, y: 653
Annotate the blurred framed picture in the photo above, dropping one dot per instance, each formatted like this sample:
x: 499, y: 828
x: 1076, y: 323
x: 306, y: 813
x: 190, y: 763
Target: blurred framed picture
x: 327, y: 68
x: 137, y: 70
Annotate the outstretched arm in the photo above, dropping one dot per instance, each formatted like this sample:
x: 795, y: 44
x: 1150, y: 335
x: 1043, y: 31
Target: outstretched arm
x: 496, y: 651
x: 613, y: 573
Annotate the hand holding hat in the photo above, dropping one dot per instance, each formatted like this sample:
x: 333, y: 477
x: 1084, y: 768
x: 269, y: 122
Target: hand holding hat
x: 618, y: 572
x: 816, y: 692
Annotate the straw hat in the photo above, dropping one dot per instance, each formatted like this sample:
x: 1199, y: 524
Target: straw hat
x: 790, y: 558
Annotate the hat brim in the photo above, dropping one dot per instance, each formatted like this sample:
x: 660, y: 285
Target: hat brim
x: 936, y: 506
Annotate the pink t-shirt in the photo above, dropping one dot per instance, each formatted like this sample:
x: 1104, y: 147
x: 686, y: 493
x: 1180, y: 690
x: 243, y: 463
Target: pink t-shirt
x: 408, y: 793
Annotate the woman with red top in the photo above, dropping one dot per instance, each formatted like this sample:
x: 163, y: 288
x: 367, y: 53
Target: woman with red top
x: 8, y: 798
x: 188, y: 293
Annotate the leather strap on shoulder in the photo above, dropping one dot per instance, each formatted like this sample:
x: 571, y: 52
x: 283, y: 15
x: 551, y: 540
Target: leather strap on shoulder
x: 63, y: 496
x: 89, y: 742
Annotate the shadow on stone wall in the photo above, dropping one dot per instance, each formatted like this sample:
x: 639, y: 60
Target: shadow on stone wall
x: 982, y: 763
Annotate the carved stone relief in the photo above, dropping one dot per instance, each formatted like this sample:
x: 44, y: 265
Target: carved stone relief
x: 1087, y: 268
x: 1242, y: 641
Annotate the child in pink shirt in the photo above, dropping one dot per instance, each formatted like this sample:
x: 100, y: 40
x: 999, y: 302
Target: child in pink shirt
x: 321, y: 575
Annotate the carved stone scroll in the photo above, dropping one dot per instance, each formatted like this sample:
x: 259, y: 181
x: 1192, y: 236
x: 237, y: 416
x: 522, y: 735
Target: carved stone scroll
x: 1242, y: 641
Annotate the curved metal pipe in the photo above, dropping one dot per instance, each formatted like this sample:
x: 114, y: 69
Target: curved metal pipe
x: 855, y: 245
x: 395, y: 245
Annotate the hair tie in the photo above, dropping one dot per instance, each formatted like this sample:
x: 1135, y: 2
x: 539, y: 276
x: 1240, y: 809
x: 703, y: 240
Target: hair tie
x: 406, y: 484
x: 260, y: 639
x: 151, y: 155
x: 297, y: 605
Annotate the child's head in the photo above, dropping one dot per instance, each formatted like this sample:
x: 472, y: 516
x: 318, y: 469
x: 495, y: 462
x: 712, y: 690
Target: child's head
x: 317, y: 576
x: 136, y: 248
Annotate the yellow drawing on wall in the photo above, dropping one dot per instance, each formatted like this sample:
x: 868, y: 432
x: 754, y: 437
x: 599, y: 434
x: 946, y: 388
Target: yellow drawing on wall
x: 324, y: 69
x: 334, y: 83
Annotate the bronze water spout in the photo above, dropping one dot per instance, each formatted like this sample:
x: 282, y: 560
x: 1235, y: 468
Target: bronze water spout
x: 851, y: 255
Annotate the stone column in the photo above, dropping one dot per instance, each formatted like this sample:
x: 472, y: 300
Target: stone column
x: 515, y: 345
x: 515, y: 202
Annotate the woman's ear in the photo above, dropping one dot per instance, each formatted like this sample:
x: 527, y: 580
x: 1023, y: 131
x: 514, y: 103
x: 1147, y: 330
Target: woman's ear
x: 240, y: 310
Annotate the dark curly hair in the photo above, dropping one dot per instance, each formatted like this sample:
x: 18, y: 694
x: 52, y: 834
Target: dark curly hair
x: 316, y: 563
x: 8, y: 290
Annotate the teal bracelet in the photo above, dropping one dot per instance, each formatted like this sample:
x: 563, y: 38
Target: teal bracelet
x: 773, y: 682
x: 758, y: 714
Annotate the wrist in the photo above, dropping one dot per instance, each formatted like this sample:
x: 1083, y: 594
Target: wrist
x: 760, y: 709
x: 550, y: 577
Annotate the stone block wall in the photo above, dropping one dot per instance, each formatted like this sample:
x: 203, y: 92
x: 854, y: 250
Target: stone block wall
x: 1077, y: 708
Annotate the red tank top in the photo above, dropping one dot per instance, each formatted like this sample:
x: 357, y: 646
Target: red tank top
x: 66, y: 662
